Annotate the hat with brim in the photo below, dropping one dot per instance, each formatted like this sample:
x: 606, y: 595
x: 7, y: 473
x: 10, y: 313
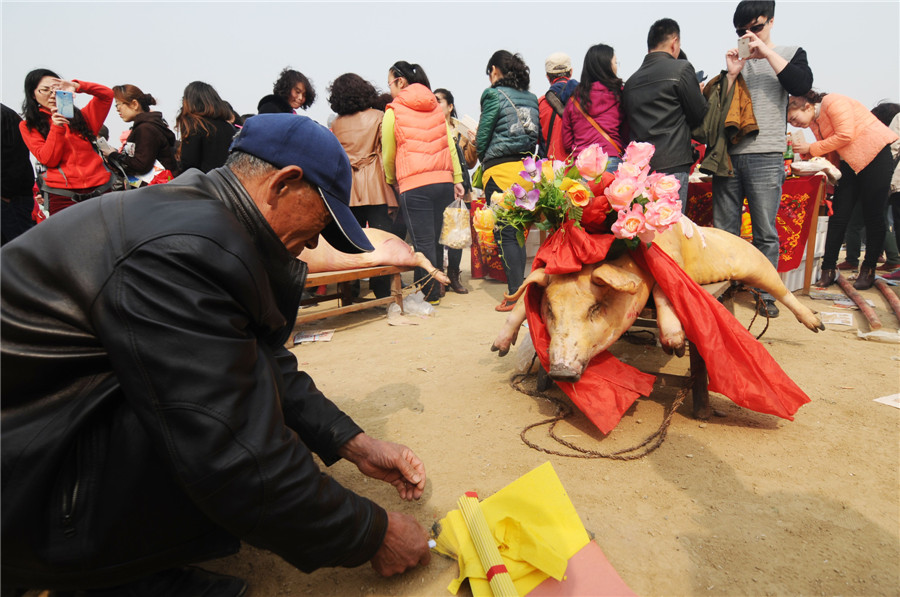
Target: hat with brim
x: 293, y: 140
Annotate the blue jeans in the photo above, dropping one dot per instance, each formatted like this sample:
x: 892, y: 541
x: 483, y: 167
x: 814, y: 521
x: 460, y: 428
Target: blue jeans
x: 423, y: 210
x: 758, y: 177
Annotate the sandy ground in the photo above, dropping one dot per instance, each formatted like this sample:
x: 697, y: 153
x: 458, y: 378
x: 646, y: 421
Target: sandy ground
x: 742, y: 504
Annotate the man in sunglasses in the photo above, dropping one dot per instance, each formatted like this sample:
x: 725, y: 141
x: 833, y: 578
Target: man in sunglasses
x: 772, y: 73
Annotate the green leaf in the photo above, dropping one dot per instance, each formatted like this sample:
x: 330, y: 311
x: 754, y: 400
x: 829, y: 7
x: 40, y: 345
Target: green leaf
x: 520, y: 237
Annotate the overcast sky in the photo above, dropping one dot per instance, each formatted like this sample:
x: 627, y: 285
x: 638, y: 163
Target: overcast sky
x: 240, y: 47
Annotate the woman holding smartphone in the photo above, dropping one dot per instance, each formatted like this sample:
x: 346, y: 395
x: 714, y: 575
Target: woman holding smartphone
x: 65, y: 146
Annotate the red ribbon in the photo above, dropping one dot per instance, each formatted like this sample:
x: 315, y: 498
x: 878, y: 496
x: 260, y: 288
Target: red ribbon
x: 494, y: 570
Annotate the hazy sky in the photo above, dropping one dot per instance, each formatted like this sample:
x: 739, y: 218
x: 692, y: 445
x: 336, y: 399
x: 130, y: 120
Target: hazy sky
x: 240, y: 47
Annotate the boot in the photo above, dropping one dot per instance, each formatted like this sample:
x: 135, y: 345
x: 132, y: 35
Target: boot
x: 865, y: 279
x: 455, y: 285
x: 827, y: 278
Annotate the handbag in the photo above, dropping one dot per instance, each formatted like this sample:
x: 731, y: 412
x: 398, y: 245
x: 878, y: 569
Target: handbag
x: 477, y: 183
x: 597, y: 126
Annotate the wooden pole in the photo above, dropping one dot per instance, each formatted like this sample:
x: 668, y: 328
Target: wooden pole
x: 856, y: 297
x: 892, y: 298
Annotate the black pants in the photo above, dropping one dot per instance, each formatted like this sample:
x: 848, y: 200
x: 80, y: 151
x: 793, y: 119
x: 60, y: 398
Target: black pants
x: 423, y: 210
x: 871, y: 186
x: 511, y: 253
x: 375, y: 216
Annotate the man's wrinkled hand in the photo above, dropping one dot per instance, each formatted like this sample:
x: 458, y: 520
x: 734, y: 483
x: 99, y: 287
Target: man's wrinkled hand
x: 405, y: 546
x: 388, y: 462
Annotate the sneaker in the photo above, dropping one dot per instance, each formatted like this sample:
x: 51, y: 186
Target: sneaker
x: 505, y: 305
x: 887, y: 267
x: 188, y: 581
x: 434, y: 302
x: 894, y: 275
x: 847, y: 266
x: 767, y: 307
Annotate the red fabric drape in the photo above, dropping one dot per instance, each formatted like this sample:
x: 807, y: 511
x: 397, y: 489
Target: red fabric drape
x: 793, y: 222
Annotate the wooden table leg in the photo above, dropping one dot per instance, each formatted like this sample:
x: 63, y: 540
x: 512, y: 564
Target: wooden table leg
x: 397, y: 290
x: 700, y: 390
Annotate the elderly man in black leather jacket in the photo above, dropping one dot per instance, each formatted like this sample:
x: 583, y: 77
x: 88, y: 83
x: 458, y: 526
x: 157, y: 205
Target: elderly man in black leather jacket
x: 663, y: 102
x: 151, y: 414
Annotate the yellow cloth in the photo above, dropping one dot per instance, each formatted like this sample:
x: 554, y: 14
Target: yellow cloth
x: 534, y: 525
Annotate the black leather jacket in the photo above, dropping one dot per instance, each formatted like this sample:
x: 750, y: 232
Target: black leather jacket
x: 150, y: 412
x: 663, y: 103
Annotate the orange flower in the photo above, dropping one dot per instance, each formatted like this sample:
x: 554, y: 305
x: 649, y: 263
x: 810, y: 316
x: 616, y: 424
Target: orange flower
x: 577, y: 192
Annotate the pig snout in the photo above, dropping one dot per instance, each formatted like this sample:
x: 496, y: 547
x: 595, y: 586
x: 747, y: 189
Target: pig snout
x: 565, y: 372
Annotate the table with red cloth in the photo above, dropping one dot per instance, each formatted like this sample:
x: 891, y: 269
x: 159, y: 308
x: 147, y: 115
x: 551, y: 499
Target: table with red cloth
x: 796, y: 221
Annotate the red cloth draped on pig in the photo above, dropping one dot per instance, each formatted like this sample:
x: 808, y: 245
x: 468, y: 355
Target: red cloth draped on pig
x: 739, y: 366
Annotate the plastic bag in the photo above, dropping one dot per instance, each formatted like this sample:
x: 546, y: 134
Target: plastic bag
x: 415, y: 304
x: 456, y: 232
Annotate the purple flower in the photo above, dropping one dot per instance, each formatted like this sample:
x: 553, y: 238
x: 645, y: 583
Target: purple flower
x: 529, y: 200
x: 532, y: 171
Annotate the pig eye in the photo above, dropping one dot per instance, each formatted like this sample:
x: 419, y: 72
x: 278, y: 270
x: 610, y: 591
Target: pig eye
x: 595, y: 310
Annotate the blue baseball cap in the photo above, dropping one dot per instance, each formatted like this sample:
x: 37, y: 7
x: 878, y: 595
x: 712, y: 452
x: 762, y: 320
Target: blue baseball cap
x: 293, y: 140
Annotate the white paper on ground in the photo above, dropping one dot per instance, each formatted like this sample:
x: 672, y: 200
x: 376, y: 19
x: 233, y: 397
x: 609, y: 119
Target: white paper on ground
x: 893, y: 400
x: 833, y: 318
x: 313, y: 336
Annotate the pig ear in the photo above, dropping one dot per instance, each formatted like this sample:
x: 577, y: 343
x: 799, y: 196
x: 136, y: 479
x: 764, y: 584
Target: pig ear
x: 616, y: 277
x: 537, y: 277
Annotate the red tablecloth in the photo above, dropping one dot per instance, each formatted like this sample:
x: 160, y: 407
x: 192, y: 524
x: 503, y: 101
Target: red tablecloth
x: 795, y: 216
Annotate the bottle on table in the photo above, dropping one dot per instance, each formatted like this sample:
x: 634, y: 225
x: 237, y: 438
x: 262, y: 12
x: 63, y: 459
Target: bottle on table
x: 788, y: 156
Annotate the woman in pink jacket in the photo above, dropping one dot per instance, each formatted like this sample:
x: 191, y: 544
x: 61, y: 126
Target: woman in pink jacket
x: 845, y: 126
x: 594, y: 114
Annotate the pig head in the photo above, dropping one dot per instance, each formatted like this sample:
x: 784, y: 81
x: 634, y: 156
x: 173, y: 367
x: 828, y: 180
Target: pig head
x: 585, y: 312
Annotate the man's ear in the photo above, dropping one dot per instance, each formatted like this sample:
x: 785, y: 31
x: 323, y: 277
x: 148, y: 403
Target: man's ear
x: 284, y: 181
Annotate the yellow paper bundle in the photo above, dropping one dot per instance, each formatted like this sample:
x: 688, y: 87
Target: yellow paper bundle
x: 483, y: 220
x: 534, y: 526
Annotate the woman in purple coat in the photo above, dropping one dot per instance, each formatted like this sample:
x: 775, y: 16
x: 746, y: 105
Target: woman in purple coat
x: 595, y: 113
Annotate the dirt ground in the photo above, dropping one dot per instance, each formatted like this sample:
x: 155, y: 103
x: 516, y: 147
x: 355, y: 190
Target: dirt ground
x: 741, y: 504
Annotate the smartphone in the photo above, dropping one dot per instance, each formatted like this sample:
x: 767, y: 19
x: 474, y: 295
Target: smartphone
x: 65, y: 104
x: 743, y: 48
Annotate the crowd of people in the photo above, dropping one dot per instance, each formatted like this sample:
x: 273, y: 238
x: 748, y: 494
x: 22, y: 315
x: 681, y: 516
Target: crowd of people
x: 143, y: 340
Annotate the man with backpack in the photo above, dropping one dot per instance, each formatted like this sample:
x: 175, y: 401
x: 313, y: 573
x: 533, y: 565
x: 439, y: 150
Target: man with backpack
x: 551, y: 106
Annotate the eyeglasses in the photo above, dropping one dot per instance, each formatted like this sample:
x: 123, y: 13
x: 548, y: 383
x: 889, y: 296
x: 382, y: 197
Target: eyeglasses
x: 44, y: 90
x: 756, y: 29
x: 392, y: 81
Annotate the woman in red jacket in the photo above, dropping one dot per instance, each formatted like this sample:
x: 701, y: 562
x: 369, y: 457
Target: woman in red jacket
x: 845, y: 126
x: 65, y: 147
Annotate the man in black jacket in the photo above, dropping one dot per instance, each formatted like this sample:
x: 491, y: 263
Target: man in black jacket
x: 151, y: 414
x: 663, y: 103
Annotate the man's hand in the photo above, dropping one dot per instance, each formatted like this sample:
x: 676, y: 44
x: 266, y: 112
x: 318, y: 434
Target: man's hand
x: 405, y: 546
x: 388, y: 462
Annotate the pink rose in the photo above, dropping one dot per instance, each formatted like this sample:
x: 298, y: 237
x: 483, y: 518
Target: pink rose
x: 662, y: 214
x: 665, y: 188
x: 629, y: 170
x: 591, y: 162
x: 622, y: 191
x: 639, y: 154
x: 630, y: 222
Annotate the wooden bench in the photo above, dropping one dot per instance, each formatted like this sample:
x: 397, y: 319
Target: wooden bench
x: 347, y: 303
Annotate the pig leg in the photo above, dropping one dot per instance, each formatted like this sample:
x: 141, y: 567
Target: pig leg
x: 510, y: 331
x: 394, y: 251
x: 732, y: 258
x: 671, y: 333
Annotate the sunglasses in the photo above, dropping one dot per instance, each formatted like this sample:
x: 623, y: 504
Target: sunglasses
x: 756, y: 29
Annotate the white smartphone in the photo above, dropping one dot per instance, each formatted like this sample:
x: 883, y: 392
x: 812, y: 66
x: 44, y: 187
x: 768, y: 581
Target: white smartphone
x: 65, y: 104
x: 743, y: 48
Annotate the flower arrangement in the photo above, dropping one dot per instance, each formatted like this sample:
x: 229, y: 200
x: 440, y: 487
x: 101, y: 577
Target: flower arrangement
x: 633, y: 204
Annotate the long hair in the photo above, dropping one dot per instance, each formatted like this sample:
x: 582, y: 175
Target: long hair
x: 413, y: 73
x: 128, y: 93
x: 350, y: 93
x: 516, y: 73
x: 810, y: 97
x: 288, y: 79
x: 448, y: 97
x: 201, y: 103
x: 597, y: 68
x: 40, y: 121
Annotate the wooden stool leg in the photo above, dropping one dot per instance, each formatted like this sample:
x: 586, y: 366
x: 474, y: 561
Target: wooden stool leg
x: 700, y: 390
x: 397, y: 290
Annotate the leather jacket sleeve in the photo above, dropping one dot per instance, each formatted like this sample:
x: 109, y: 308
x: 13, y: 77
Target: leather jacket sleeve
x: 180, y: 319
x: 691, y: 97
